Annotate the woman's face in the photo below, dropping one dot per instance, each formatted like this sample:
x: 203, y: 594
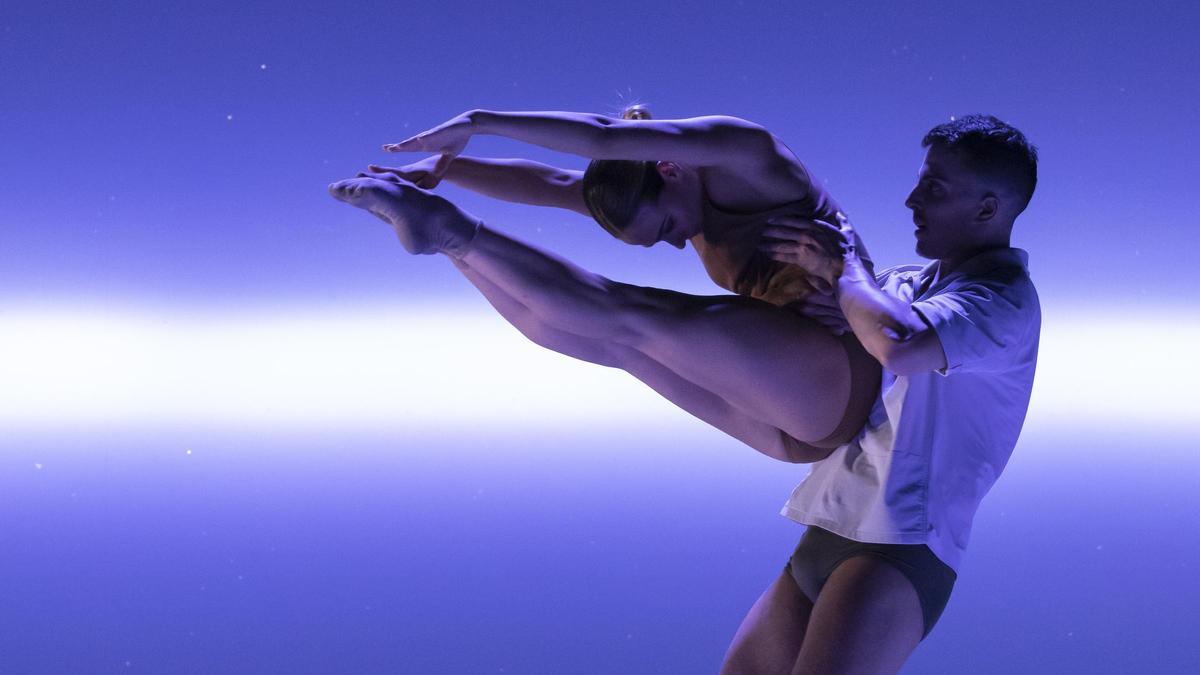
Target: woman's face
x: 674, y: 217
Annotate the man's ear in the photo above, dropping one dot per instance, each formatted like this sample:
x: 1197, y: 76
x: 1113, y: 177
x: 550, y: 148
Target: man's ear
x: 989, y: 206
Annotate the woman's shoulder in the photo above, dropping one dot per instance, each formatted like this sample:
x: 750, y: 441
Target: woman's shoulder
x: 750, y: 189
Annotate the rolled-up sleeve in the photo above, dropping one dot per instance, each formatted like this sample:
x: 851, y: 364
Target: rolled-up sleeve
x: 981, y: 323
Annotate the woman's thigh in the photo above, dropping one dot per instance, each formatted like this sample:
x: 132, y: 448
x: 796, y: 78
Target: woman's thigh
x: 783, y: 368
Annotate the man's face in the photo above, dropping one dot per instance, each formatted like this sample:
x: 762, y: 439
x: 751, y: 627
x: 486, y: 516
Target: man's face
x: 945, y: 203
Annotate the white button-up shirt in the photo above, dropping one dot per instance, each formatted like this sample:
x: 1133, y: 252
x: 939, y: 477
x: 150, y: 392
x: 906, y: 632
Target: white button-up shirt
x: 936, y: 442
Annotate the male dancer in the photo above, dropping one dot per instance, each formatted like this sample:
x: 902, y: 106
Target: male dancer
x: 888, y: 513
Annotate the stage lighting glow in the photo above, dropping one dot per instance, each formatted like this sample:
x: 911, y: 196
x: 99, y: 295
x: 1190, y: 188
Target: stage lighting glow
x: 384, y: 368
x: 427, y: 369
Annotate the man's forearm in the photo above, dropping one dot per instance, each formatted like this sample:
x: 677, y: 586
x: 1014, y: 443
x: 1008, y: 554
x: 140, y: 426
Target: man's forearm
x: 881, y: 323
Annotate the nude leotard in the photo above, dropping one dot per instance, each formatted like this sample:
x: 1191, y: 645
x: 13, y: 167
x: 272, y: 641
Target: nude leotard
x: 728, y: 247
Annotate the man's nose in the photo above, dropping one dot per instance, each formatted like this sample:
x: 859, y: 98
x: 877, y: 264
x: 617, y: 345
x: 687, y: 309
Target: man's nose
x: 911, y: 200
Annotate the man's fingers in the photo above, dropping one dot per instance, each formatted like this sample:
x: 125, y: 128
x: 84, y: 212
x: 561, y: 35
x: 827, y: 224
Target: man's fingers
x: 796, y: 222
x: 821, y: 312
x: 800, y: 235
x: 836, y: 327
x: 800, y: 223
x: 826, y: 301
x: 785, y: 258
x: 846, y: 228
x: 776, y: 246
x: 792, y: 244
x: 779, y: 232
x: 789, y: 221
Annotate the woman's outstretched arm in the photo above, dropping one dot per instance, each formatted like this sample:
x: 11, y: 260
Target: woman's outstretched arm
x: 704, y: 141
x: 513, y: 180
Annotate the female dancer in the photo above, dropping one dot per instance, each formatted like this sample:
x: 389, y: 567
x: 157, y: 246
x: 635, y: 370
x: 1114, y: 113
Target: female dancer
x: 722, y: 180
x: 775, y: 371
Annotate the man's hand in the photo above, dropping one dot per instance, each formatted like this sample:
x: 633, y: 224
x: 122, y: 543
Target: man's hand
x: 825, y: 310
x: 794, y: 241
x: 854, y: 252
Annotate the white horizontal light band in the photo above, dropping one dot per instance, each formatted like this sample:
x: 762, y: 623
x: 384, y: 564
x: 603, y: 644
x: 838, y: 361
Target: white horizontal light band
x: 429, y: 369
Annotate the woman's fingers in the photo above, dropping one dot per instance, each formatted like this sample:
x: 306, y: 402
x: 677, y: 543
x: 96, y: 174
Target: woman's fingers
x: 387, y: 169
x: 443, y: 164
x: 375, y: 175
x: 448, y: 136
x: 403, y: 174
x: 426, y: 181
x: 412, y: 143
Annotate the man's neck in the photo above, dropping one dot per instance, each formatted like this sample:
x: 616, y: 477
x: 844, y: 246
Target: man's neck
x: 948, y: 265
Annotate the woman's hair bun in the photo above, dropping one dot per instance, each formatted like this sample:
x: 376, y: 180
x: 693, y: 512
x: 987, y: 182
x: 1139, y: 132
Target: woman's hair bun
x: 637, y: 111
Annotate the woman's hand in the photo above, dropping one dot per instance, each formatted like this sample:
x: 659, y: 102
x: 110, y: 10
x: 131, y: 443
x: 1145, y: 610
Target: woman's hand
x: 447, y: 139
x: 420, y: 173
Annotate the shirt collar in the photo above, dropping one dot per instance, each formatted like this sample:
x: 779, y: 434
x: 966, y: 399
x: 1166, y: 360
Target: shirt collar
x: 979, y: 264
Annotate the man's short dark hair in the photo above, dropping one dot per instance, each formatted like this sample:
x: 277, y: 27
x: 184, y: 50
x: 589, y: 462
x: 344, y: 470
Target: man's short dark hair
x: 992, y: 148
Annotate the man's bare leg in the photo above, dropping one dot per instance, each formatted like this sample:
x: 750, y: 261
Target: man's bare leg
x: 699, y: 402
x: 752, y: 355
x: 867, y: 619
x: 769, y: 639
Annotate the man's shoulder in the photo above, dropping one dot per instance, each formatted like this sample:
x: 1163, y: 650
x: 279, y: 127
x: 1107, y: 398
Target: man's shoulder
x: 897, y: 273
x: 1010, y: 281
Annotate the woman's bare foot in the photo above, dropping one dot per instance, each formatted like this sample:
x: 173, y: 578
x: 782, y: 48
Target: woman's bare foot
x: 425, y: 223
